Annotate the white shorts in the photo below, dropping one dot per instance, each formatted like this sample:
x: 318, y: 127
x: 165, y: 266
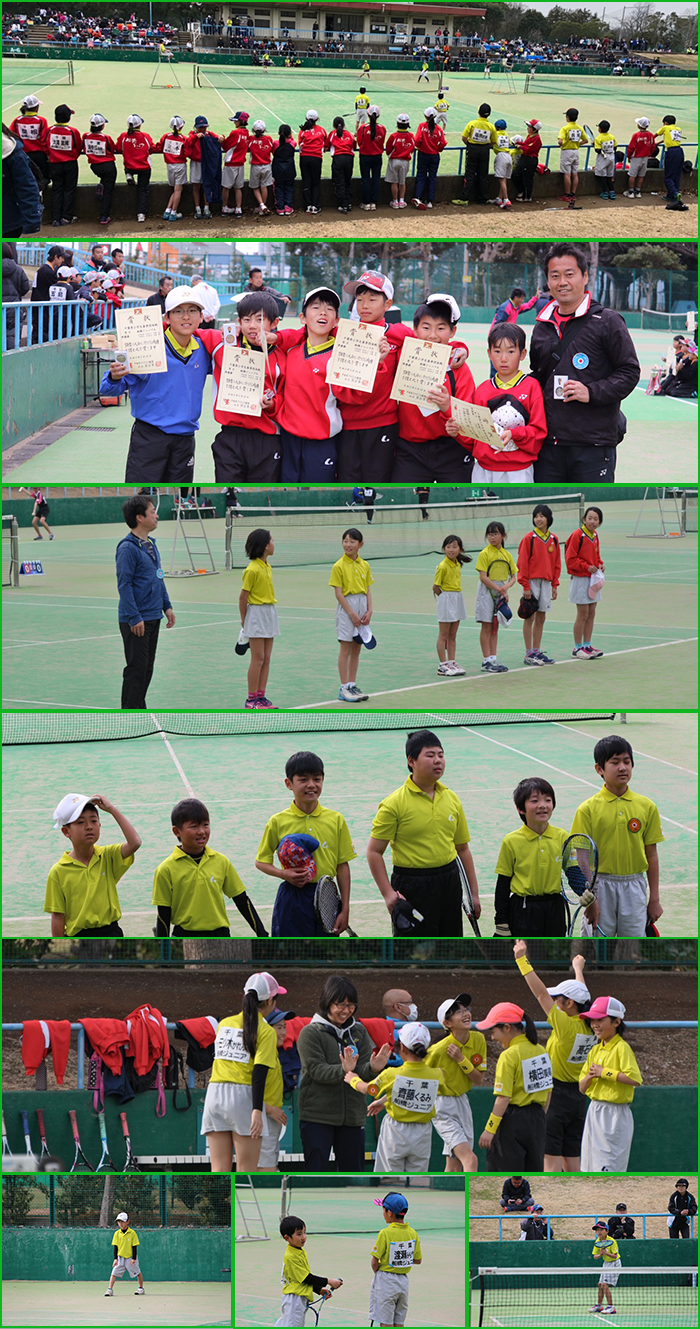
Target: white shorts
x: 610, y: 1273
x: 344, y: 625
x: 126, y: 1265
x: 623, y: 906
x: 270, y: 1149
x: 228, y: 1107
x: 388, y: 1298
x: 294, y: 1309
x: 441, y: 119
x: 261, y: 621
x: 637, y: 167
x: 568, y: 160
x: 361, y: 118
x: 450, y: 607
x: 524, y: 477
x: 542, y: 591
x: 397, y: 170
x: 578, y: 592
x: 177, y: 173
x: 607, y: 1137
x: 485, y: 608
x: 403, y: 1146
x: 260, y: 175
x: 604, y: 167
x: 233, y: 177
x: 503, y: 166
x: 453, y: 1121
x: 195, y: 172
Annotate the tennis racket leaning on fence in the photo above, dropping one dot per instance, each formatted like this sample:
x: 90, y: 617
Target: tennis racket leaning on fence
x: 467, y: 897
x: 130, y: 1164
x: 328, y: 905
x: 579, y: 872
x: 105, y: 1160
x: 79, y: 1155
x: 45, y: 1151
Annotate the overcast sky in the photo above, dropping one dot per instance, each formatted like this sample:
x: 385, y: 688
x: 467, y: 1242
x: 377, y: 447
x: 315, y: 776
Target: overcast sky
x: 611, y: 11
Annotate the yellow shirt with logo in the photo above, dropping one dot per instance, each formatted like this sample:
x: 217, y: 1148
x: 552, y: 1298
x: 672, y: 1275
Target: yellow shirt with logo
x: 572, y: 136
x: 352, y: 575
x: 621, y: 827
x: 194, y: 890
x: 422, y: 831
x: 125, y: 1242
x: 257, y: 581
x: 448, y: 575
x: 532, y: 861
x: 568, y: 1044
x: 295, y: 1269
x: 328, y: 827
x: 480, y: 132
x: 616, y: 1055
x: 457, y: 1074
x: 412, y: 1090
x: 232, y: 1063
x: 361, y: 102
x: 523, y: 1072
x: 396, y: 1247
x: 87, y: 896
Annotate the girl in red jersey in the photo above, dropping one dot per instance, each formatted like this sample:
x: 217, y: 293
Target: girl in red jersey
x: 430, y: 142
x: 400, y: 147
x: 341, y: 144
x: 100, y: 151
x: 173, y: 146
x: 539, y: 569
x: 582, y: 553
x: 32, y: 129
x: 312, y: 142
x: 136, y: 148
x: 260, y: 149
x: 370, y: 145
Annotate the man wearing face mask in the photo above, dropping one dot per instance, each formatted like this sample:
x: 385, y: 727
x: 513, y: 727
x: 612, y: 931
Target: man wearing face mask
x: 462, y: 1059
x: 398, y: 1004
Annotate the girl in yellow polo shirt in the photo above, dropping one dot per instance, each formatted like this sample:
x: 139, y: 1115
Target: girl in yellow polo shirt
x: 245, y: 1052
x: 451, y: 609
x: 462, y: 1059
x: 609, y: 1078
x: 351, y: 578
x: 514, y: 1134
x: 405, y: 1135
x: 259, y: 623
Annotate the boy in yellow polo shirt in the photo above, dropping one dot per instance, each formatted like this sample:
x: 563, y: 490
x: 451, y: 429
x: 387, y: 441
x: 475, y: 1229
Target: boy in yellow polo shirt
x: 606, y: 1249
x: 528, y: 898
x: 425, y: 824
x: 81, y: 891
x: 627, y: 829
x: 125, y: 1244
x: 571, y: 138
x: 293, y: 914
x: 479, y: 136
x: 351, y: 579
x: 462, y: 1059
x: 189, y: 886
x: 609, y: 1077
x: 394, y: 1253
x: 410, y: 1094
x: 299, y: 1285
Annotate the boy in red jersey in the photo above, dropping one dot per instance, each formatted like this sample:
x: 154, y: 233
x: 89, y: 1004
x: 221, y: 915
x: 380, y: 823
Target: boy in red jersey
x: 400, y: 147
x: 235, y: 148
x: 426, y: 450
x: 100, y: 151
x: 370, y: 431
x: 32, y: 129
x: 639, y: 149
x: 247, y: 447
x: 260, y: 149
x: 173, y: 146
x: 539, y: 569
x: 517, y: 407
x: 64, y: 145
x: 136, y: 147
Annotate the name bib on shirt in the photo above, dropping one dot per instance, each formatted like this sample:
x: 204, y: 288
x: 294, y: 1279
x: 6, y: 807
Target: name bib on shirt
x: 574, y: 136
x: 61, y: 142
x: 173, y: 145
x: 481, y: 136
x: 415, y: 1095
x: 582, y: 1046
x: 401, y: 1254
x: 229, y: 1046
x: 95, y: 147
x: 31, y: 132
x: 607, y: 148
x: 537, y: 1074
x: 676, y: 136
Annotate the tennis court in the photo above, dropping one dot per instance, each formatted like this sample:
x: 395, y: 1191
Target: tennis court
x: 239, y: 775
x: 661, y: 439
x: 661, y: 1296
x: 61, y: 645
x: 81, y: 1303
x: 342, y: 1223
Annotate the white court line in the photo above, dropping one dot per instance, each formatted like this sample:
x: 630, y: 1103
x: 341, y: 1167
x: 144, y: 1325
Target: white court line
x: 171, y: 752
x: 690, y: 401
x: 674, y: 764
x: 247, y: 94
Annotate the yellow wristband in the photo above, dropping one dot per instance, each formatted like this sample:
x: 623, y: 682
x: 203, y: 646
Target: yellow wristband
x: 492, y: 1124
x: 609, y: 1074
x: 524, y: 965
x: 355, y: 1081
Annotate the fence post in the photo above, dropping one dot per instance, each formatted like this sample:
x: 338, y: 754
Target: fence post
x: 163, y: 1200
x: 52, y: 1200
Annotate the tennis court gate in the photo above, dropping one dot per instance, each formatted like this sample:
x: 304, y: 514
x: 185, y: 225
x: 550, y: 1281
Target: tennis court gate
x: 10, y: 550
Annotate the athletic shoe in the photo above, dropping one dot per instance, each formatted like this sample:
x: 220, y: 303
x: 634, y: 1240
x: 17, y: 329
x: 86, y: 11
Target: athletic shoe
x: 176, y: 216
x: 443, y: 668
x: 565, y: 198
x: 140, y: 216
x: 532, y: 658
x: 403, y: 203
x: 238, y: 212
x: 519, y: 198
x: 605, y: 195
x: 428, y: 205
x: 373, y: 207
x: 637, y: 193
x: 198, y: 214
x: 227, y: 212
x: 109, y: 1292
x: 359, y: 695
x: 460, y: 202
x: 52, y: 537
x: 495, y: 201
x: 346, y: 693
x: 581, y: 653
x: 594, y: 1310
x: 394, y: 203
x: 289, y: 212
x: 366, y: 207
x: 456, y: 670
x: 493, y: 667
x: 594, y: 653
x: 545, y: 659
x: 167, y: 214
x: 418, y: 203
x: 105, y: 221
x: 250, y: 704
x: 38, y: 537
x: 140, y: 1292
x: 506, y: 203
x: 628, y: 193
x: 264, y: 704
x: 611, y: 193
x: 609, y: 1310
x: 207, y: 212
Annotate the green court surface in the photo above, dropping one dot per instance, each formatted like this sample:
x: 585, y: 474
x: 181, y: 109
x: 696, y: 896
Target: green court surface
x: 632, y: 1310
x: 62, y: 648
x: 76, y: 1304
x: 283, y: 95
x: 342, y: 1226
x: 660, y: 444
x: 240, y: 778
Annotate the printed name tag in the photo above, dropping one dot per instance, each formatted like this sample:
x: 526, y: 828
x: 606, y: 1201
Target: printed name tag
x: 229, y: 1046
x: 416, y: 1095
x: 582, y: 1046
x: 401, y: 1254
x: 537, y: 1074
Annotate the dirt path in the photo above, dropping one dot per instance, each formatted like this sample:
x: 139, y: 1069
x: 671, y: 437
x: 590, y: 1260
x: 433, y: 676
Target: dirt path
x: 577, y: 1195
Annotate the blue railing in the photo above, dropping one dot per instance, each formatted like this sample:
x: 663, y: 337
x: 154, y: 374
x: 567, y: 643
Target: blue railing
x: 78, y: 1028
x: 140, y: 274
x: 490, y: 1218
x: 35, y: 324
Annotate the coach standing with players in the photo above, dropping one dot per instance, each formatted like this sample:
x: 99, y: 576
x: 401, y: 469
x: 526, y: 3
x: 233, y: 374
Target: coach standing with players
x: 585, y: 362
x: 143, y: 599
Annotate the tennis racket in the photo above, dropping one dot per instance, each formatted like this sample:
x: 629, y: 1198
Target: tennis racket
x: 589, y: 132
x: 6, y: 1151
x: 106, y: 1160
x: 320, y: 1303
x: 45, y: 1151
x: 130, y: 1164
x: 498, y: 570
x: 467, y: 897
x: 79, y: 1155
x: 327, y: 904
x: 579, y: 871
x: 27, y: 1139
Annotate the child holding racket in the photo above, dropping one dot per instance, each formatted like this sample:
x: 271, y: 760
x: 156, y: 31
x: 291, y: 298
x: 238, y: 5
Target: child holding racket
x: 605, y: 1248
x: 514, y: 1134
x: 462, y: 1059
x: 351, y: 578
x: 609, y: 1077
x: 259, y: 623
x: 293, y: 914
x: 568, y: 1046
x: 582, y: 554
x: 190, y: 885
x: 299, y: 1285
x: 539, y: 570
x: 497, y: 573
x: 40, y: 512
x: 447, y: 589
x: 528, y: 896
x: 626, y: 827
x: 125, y: 1244
x: 81, y: 891
x: 394, y: 1253
x: 405, y: 1134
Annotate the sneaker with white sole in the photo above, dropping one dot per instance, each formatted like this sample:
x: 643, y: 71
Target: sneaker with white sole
x: 109, y: 1292
x: 609, y: 1310
x: 455, y: 669
x: 347, y: 693
x: 443, y: 668
x: 545, y: 659
x: 594, y: 653
x: 140, y: 216
x: 359, y: 694
x: 581, y: 653
x: 140, y: 1292
x: 532, y: 658
x: 493, y: 667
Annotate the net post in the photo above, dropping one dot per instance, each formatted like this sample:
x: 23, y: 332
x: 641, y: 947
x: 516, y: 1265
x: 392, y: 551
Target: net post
x: 71, y: 72
x: 228, y: 527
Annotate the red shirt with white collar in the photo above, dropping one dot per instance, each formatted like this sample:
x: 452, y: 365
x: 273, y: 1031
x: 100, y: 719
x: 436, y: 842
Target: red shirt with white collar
x: 539, y: 556
x: 307, y: 403
x: 214, y: 343
x: 582, y: 552
x: 525, y: 394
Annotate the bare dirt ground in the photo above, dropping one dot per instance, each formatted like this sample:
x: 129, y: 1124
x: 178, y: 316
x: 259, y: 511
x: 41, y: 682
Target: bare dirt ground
x: 577, y: 1195
x: 187, y: 993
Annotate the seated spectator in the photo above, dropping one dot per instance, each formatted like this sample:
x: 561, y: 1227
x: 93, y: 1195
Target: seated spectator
x: 516, y: 1196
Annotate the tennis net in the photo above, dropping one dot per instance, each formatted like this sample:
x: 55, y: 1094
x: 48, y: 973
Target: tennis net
x: 10, y: 550
x: 656, y: 1296
x: 22, y: 71
x: 100, y: 726
x: 658, y: 320
x: 306, y: 536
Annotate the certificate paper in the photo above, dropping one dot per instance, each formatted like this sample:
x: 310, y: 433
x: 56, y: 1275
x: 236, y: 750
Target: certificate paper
x: 140, y: 334
x: 422, y: 366
x: 355, y: 356
x: 242, y: 381
x: 475, y: 422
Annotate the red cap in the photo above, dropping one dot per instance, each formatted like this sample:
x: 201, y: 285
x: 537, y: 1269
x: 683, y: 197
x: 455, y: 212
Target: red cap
x: 504, y: 1012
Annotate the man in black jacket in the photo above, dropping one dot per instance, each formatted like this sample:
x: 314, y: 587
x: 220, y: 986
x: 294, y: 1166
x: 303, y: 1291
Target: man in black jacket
x: 585, y: 362
x: 621, y: 1226
x: 45, y: 277
x: 682, y: 1205
x: 165, y: 286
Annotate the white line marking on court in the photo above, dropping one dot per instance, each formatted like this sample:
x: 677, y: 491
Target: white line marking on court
x: 674, y: 764
x: 249, y: 96
x: 171, y: 751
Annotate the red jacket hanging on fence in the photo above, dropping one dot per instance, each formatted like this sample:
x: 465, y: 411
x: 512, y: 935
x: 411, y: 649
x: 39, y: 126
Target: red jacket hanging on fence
x: 108, y: 1037
x: 148, y: 1038
x: 39, y: 1037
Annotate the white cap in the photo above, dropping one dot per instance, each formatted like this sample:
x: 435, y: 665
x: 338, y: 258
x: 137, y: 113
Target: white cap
x: 463, y: 1000
x: 259, y: 125
x: 114, y: 273
x: 447, y: 300
x: 376, y: 281
x: 177, y: 122
x: 182, y: 295
x: 373, y: 110
x: 265, y: 985
x: 324, y: 291
x: 64, y: 272
x: 98, y: 119
x: 69, y: 809
x: 122, y: 1217
x: 642, y: 122
x: 430, y: 111
x: 403, y: 118
x: 572, y: 989
x: 312, y: 114
x: 516, y: 138
x: 134, y: 121
x: 414, y: 1033
x: 31, y: 100
x: 107, y: 283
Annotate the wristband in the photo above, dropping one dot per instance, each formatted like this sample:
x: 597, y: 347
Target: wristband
x: 609, y: 1074
x: 493, y: 1124
x: 524, y: 965
x: 355, y: 1081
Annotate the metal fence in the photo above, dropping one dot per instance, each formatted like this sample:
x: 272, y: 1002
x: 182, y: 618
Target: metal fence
x: 151, y: 1201
x: 605, y: 1214
x: 39, y: 1083
x: 35, y: 324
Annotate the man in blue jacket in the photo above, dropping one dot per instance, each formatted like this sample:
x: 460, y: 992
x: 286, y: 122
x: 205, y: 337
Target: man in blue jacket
x: 143, y: 599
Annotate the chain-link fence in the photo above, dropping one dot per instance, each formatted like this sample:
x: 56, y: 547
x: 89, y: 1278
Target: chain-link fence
x: 189, y: 1201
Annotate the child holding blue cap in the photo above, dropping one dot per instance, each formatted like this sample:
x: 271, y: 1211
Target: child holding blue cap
x: 394, y: 1253
x: 502, y: 164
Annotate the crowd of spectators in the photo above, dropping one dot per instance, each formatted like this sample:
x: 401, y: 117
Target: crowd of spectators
x: 82, y: 31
